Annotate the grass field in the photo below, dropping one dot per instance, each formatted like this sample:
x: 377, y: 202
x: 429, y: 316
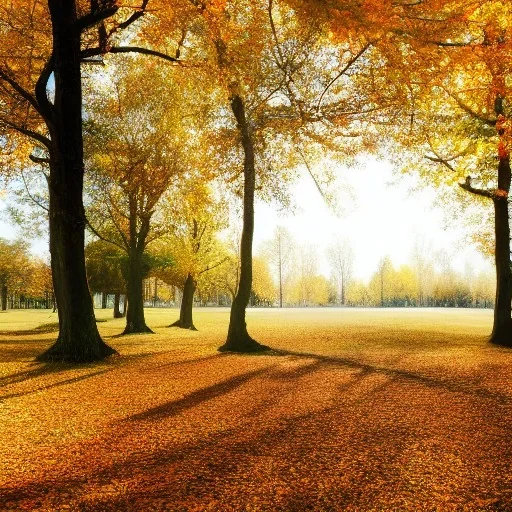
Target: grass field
x: 376, y: 409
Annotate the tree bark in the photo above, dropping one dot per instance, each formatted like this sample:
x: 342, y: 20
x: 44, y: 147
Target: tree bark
x: 4, y: 297
x: 280, y: 256
x: 117, y: 309
x: 187, y: 302
x: 135, y: 321
x: 502, y: 327
x: 78, y: 340
x: 238, y: 339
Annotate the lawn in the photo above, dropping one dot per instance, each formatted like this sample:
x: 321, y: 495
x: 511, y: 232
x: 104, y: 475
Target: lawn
x: 377, y: 409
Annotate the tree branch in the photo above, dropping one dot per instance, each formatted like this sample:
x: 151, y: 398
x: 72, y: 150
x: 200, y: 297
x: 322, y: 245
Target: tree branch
x: 45, y: 107
x: 31, y: 197
x: 45, y: 141
x: 93, y: 18
x: 213, y: 266
x: 469, y: 110
x: 101, y: 237
x: 39, y: 160
x: 131, y: 19
x: 91, y: 52
x: 477, y: 191
x: 342, y: 72
x: 407, y: 4
x: 447, y: 44
x: 440, y: 161
x: 19, y: 89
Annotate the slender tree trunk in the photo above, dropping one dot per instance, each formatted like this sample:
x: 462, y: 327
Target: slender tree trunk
x: 117, y: 309
x: 382, y: 288
x: 3, y: 294
x: 135, y: 321
x: 238, y: 339
x: 280, y: 256
x: 502, y: 328
x: 104, y: 297
x: 78, y: 340
x: 187, y: 302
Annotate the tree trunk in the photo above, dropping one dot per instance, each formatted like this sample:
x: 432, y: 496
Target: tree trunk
x: 187, y: 302
x: 104, y: 297
x: 238, y: 339
x: 78, y: 340
x: 135, y: 321
x: 117, y: 309
x: 502, y: 327
x: 4, y: 297
x: 280, y: 259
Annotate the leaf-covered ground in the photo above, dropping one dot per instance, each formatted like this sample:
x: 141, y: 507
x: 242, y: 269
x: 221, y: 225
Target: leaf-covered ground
x: 356, y: 410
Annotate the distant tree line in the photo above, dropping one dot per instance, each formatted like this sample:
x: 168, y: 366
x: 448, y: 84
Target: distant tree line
x: 25, y: 281
x: 292, y: 279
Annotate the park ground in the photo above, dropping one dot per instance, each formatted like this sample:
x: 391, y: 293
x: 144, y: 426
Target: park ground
x: 357, y: 410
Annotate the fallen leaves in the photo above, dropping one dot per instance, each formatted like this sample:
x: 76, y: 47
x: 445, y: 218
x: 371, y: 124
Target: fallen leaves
x: 359, y: 411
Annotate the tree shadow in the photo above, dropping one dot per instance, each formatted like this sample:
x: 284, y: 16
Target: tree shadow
x: 188, y: 361
x: 452, y: 385
x: 53, y: 385
x: 195, y: 398
x: 40, y: 370
x: 41, y: 329
x: 216, y: 471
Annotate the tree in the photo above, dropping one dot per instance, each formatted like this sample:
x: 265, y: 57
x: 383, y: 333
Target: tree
x: 41, y: 283
x: 104, y: 264
x: 263, y: 287
x: 463, y: 92
x: 341, y: 259
x: 358, y: 294
x: 47, y: 43
x: 308, y: 287
x: 14, y: 268
x: 381, y: 283
x: 135, y: 151
x: 279, y: 252
x: 259, y: 75
x: 196, y: 218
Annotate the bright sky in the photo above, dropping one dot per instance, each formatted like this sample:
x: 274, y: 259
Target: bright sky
x: 380, y: 215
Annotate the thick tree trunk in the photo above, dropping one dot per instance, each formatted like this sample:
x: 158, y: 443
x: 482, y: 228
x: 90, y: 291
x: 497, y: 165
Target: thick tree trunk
x: 3, y: 294
x: 502, y: 328
x: 187, y: 302
x: 238, y: 339
x: 117, y: 309
x: 135, y: 321
x: 78, y: 340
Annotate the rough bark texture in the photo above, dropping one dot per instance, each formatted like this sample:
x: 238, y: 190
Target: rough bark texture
x: 238, y: 339
x: 135, y: 321
x: 3, y: 294
x: 78, y: 340
x: 187, y: 302
x: 502, y: 328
